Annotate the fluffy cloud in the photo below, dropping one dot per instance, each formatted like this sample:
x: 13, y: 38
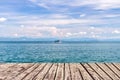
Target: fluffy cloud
x: 29, y: 31
x: 69, y: 34
x: 56, y: 32
x: 33, y: 31
x: 2, y: 19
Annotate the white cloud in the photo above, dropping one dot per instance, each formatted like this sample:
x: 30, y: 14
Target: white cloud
x: 60, y: 21
x: 53, y: 31
x: 92, y: 27
x: 70, y: 34
x: 30, y: 31
x: 116, y: 32
x: 22, y: 26
x: 15, y: 35
x: 83, y: 33
x: 96, y: 4
x: 41, y: 31
x: 82, y: 15
x: 99, y: 4
x: 43, y: 5
x: 2, y: 19
x: 107, y: 4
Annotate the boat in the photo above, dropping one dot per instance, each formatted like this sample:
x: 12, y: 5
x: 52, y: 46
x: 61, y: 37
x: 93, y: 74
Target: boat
x: 57, y: 41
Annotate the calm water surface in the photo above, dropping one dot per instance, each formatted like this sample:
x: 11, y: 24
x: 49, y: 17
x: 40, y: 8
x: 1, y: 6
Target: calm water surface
x: 65, y: 52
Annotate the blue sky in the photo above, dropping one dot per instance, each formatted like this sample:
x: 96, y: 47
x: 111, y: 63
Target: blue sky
x: 99, y: 19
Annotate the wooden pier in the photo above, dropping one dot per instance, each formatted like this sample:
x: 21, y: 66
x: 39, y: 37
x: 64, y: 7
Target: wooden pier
x: 60, y: 71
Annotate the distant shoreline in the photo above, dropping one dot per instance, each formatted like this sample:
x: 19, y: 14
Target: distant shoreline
x: 62, y: 42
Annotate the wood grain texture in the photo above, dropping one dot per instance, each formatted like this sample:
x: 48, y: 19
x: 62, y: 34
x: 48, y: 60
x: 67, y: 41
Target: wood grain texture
x: 60, y: 71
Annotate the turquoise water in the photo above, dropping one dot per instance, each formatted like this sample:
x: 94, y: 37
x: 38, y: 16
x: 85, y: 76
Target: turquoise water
x: 65, y: 52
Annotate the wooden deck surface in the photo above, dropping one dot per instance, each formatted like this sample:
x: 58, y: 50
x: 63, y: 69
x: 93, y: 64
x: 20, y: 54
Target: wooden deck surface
x: 60, y: 71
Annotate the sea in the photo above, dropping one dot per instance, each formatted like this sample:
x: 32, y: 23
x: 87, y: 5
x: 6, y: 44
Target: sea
x: 40, y: 51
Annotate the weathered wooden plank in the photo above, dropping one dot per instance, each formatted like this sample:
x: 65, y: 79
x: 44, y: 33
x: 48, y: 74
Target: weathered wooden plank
x: 25, y: 73
x: 20, y: 68
x: 108, y: 71
x: 42, y: 74
x: 116, y: 65
x: 92, y: 72
x: 75, y: 72
x: 60, y: 72
x: 35, y: 72
x: 67, y: 72
x: 8, y: 71
x: 83, y: 72
x: 4, y: 66
x: 99, y: 71
x: 113, y: 69
x: 52, y: 72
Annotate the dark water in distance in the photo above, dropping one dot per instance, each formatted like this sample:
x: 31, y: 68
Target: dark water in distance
x: 64, y: 52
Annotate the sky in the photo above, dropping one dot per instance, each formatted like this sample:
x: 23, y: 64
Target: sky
x: 99, y: 19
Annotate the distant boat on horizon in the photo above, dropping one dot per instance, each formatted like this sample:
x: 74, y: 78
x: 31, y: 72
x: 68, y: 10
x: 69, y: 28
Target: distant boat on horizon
x: 57, y: 41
